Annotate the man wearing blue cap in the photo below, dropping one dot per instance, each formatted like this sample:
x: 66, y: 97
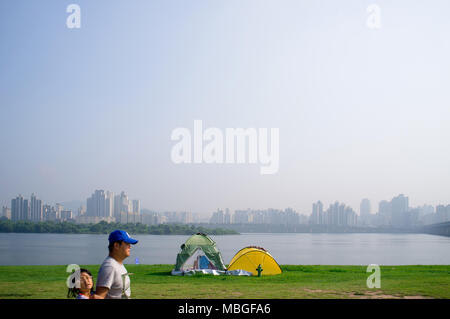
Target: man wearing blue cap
x: 113, y: 281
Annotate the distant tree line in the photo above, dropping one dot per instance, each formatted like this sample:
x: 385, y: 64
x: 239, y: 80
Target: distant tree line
x: 7, y: 226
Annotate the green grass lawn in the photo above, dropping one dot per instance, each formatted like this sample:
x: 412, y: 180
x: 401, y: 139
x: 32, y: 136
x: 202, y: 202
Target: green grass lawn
x: 155, y: 281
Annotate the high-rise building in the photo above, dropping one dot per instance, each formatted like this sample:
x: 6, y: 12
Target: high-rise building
x: 59, y: 209
x: 400, y: 207
x: 122, y: 207
x: 133, y: 214
x: 336, y: 215
x: 217, y: 217
x: 20, y: 209
x: 120, y: 204
x: 6, y: 212
x: 342, y: 217
x: 384, y: 215
x: 90, y: 207
x: 26, y: 209
x: 227, y: 217
x: 364, y: 211
x: 351, y: 219
x: 400, y: 204
x: 442, y: 213
x: 136, y: 206
x: 81, y: 211
x: 49, y: 213
x: 36, y: 209
x: 109, y: 206
x: 100, y: 204
x: 16, y: 206
x: 289, y: 217
x: 241, y: 217
x: 317, y: 214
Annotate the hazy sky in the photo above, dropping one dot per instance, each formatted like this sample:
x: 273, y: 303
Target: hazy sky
x: 362, y: 113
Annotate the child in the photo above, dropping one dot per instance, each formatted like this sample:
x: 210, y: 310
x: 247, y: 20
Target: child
x: 86, y: 286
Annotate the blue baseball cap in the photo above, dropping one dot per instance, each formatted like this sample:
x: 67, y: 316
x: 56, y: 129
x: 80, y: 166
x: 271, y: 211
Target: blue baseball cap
x: 121, y: 235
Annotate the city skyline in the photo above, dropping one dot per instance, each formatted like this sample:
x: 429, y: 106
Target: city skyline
x: 356, y: 206
x: 104, y: 206
x: 118, y: 198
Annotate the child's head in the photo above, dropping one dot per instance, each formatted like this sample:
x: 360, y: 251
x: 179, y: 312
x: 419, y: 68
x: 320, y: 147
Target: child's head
x: 86, y: 284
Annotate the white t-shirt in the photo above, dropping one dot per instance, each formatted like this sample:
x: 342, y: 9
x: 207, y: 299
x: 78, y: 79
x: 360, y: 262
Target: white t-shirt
x: 114, y: 275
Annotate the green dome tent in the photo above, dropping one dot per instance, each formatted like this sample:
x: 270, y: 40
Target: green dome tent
x: 199, y: 252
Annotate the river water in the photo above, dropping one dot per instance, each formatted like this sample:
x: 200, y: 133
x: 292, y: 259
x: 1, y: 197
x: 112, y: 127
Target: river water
x: 292, y: 248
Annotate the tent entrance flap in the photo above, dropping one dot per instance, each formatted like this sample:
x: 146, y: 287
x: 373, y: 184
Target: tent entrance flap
x: 198, y: 260
x: 255, y: 260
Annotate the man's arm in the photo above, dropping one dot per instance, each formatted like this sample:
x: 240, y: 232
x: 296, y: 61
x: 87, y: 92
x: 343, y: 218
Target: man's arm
x: 104, y: 282
x: 100, y: 293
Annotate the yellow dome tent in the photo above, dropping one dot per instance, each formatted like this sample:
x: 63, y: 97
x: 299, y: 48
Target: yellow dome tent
x: 249, y: 259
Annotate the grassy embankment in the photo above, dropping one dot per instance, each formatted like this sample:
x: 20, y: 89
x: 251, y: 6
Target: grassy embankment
x: 155, y: 281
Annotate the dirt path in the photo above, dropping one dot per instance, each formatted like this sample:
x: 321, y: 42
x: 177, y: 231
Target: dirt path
x: 365, y: 295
